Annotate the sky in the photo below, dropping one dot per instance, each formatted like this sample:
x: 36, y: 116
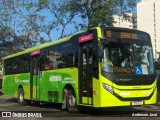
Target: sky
x: 70, y: 28
x: 55, y: 34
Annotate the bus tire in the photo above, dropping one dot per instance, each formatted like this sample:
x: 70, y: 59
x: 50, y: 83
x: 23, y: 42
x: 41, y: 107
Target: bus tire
x: 21, y: 99
x: 65, y: 91
x: 71, y: 101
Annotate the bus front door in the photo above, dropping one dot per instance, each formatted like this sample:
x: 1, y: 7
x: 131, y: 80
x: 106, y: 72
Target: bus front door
x: 34, y: 83
x: 85, y: 73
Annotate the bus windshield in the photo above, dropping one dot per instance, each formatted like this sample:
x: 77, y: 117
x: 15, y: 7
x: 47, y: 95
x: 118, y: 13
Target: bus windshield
x: 128, y: 58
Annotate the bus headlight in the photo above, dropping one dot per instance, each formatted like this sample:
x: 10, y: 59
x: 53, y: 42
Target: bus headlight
x: 108, y: 87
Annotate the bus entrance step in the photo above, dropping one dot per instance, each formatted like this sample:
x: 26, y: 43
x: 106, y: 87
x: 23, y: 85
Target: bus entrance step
x: 86, y: 105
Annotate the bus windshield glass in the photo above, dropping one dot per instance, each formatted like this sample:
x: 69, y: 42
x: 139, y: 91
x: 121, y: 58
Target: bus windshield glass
x: 128, y: 58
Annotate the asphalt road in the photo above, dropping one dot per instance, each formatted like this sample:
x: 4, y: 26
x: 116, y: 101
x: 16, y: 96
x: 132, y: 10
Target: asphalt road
x: 37, y: 111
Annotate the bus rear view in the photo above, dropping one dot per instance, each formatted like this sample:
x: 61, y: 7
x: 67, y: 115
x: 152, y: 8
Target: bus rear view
x: 127, y: 69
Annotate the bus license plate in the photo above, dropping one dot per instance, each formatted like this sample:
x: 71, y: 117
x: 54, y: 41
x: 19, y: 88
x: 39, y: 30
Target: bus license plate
x: 135, y: 103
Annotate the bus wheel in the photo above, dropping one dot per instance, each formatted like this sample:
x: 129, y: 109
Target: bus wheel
x: 21, y: 99
x: 71, y: 101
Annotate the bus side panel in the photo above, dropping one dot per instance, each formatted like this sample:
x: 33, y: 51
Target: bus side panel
x: 24, y: 81
x: 96, y: 92
x: 12, y: 82
x: 8, y: 85
x: 53, y: 82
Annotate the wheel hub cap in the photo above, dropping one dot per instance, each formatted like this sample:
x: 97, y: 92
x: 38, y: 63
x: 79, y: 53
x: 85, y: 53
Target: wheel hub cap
x: 72, y: 100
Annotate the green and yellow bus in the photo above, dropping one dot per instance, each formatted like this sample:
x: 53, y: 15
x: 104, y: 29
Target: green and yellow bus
x: 100, y: 68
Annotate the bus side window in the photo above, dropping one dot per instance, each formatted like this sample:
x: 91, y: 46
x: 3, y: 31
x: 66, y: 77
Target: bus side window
x: 14, y: 68
x: 53, y: 56
x: 49, y: 60
x: 45, y: 61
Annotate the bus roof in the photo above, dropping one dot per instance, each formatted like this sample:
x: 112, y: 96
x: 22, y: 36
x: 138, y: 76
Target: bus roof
x: 43, y: 45
x: 62, y: 40
x: 39, y: 47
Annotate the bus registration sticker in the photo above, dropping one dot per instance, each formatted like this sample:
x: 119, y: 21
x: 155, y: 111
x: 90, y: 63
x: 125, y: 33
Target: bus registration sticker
x: 136, y: 103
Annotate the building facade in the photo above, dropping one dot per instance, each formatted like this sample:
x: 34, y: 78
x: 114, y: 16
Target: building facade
x: 125, y: 23
x: 148, y: 20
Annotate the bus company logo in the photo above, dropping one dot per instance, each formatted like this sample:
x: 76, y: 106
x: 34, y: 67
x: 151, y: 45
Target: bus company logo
x: 6, y: 114
x: 55, y: 78
x: 136, y: 87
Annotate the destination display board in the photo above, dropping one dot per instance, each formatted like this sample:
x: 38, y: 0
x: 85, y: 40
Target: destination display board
x: 125, y: 34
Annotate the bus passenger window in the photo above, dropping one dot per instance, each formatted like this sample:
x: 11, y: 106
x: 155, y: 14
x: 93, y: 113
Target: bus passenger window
x: 45, y: 61
x: 52, y: 57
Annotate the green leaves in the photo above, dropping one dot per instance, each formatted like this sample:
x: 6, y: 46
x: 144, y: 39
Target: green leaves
x: 23, y: 23
x: 17, y: 26
x: 99, y: 12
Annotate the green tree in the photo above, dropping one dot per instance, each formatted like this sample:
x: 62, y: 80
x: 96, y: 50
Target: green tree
x: 18, y: 26
x: 23, y: 23
x: 9, y: 42
x: 99, y: 12
x: 59, y: 16
x: 91, y: 12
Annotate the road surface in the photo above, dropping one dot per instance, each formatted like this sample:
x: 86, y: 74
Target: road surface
x: 36, y: 111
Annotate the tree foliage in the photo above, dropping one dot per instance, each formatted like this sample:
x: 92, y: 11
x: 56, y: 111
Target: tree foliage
x: 60, y: 16
x: 25, y: 23
x: 18, y: 26
x: 99, y: 12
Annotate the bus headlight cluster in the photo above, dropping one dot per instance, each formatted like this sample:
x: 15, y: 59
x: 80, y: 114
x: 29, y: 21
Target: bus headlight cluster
x: 108, y: 87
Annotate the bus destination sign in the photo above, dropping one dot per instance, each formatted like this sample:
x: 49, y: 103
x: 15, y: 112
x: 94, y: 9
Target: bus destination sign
x: 123, y: 35
x: 36, y: 52
x: 126, y: 35
x: 85, y: 38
